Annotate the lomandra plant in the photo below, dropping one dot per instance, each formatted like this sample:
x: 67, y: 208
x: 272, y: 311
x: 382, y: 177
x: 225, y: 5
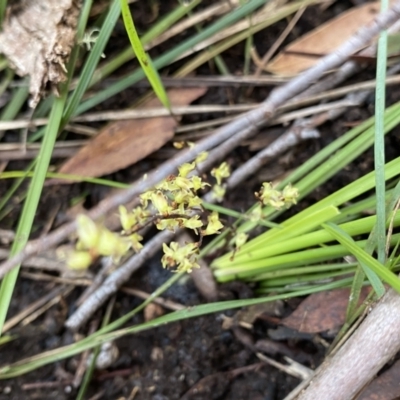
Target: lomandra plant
x: 171, y: 205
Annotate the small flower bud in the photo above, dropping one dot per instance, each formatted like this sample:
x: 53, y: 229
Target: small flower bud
x: 79, y: 260
x: 88, y: 232
x: 214, y: 225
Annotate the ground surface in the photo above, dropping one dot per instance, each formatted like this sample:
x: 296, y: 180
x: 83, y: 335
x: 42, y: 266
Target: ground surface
x: 198, y: 358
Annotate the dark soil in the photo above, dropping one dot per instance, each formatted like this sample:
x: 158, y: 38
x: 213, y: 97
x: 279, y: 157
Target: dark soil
x: 197, y: 358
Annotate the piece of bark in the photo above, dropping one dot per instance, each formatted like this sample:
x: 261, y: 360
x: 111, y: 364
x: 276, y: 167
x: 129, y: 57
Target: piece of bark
x: 373, y: 344
x: 37, y: 39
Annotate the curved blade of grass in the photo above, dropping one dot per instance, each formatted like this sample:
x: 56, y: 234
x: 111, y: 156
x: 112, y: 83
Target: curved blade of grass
x: 374, y: 280
x: 32, y: 363
x: 369, y: 248
x: 155, y: 30
x: 362, y: 256
x: 171, y: 55
x: 343, y: 284
x: 143, y: 58
x: 308, y: 269
x: 18, y: 99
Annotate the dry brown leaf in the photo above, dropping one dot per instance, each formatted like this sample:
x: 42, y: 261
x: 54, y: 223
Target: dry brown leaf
x: 320, y: 312
x: 152, y: 311
x: 123, y: 143
x: 37, y: 38
x: 322, y: 40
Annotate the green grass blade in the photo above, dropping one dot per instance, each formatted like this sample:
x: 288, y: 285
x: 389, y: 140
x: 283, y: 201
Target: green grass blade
x: 253, y: 270
x: 13, y: 107
x: 379, y: 146
x: 31, y: 203
x: 143, y: 58
x: 3, y: 6
x: 172, y: 55
x: 363, y: 257
x: 32, y: 363
x: 155, y: 30
x: 92, y: 61
x: 369, y: 248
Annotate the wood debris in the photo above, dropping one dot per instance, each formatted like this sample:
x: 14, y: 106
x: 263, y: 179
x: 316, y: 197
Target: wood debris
x: 37, y: 39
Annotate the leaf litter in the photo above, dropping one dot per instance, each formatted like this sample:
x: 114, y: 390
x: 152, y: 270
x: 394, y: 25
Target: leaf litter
x: 123, y: 143
x: 324, y: 39
x: 37, y: 39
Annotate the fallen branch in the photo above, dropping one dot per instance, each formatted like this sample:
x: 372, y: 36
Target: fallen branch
x: 373, y: 344
x: 243, y: 127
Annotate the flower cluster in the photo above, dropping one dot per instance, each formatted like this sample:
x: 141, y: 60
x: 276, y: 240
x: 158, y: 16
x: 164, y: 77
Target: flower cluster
x: 275, y: 198
x: 181, y: 258
x: 95, y: 241
x: 174, y: 203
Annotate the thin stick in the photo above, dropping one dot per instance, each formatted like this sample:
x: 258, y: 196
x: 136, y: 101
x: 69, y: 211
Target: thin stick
x: 374, y: 343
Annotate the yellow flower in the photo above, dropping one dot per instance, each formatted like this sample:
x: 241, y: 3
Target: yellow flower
x: 179, y: 145
x: 128, y: 220
x: 135, y: 239
x: 194, y: 202
x: 240, y: 239
x: 257, y: 213
x: 223, y: 171
x: 79, y: 260
x: 88, y: 232
x: 185, y: 168
x: 193, y: 223
x: 183, y: 258
x: 183, y: 183
x: 201, y: 157
x: 290, y: 195
x: 218, y: 193
x: 160, y: 202
x: 140, y: 214
x: 111, y: 244
x: 145, y: 198
x: 269, y: 196
x: 198, y: 183
x: 171, y: 224
x: 214, y: 225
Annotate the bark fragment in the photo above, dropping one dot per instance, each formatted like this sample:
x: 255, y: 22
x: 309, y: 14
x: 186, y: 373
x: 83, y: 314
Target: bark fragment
x: 37, y: 38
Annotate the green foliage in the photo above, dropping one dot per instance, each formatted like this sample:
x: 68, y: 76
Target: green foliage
x: 143, y: 58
